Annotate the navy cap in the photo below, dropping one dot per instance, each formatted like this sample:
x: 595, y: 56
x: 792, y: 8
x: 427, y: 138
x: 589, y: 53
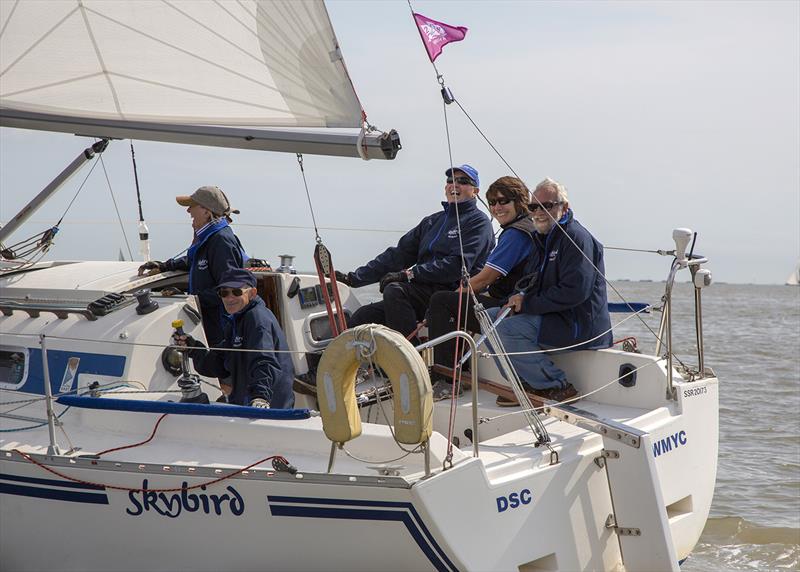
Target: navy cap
x: 469, y: 171
x: 237, y: 278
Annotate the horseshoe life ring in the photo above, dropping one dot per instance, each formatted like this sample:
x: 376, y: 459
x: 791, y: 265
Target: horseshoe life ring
x: 411, y: 384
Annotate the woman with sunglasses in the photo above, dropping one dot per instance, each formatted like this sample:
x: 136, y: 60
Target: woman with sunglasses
x: 214, y: 250
x: 508, y: 199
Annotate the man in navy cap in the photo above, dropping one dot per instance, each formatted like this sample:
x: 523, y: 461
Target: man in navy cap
x: 428, y: 258
x: 261, y: 378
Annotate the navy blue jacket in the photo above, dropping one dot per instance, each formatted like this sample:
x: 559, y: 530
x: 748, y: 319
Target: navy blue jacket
x: 266, y: 374
x: 570, y: 294
x: 432, y: 247
x: 220, y: 252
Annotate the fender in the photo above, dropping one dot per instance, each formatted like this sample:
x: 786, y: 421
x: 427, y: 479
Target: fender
x: 411, y: 384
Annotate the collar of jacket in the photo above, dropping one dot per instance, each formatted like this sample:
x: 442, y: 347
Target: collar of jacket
x: 564, y: 221
x: 463, y: 207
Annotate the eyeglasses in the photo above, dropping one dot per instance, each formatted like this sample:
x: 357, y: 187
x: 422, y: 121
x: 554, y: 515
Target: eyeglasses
x: 546, y: 206
x: 461, y: 181
x: 501, y: 201
x: 225, y: 292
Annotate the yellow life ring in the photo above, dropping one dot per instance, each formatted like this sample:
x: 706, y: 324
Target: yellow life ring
x: 395, y: 355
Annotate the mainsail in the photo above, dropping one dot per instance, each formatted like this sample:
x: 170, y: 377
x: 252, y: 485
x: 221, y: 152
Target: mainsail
x: 232, y: 74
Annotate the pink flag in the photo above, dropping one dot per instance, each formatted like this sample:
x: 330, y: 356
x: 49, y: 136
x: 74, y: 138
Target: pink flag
x: 436, y: 35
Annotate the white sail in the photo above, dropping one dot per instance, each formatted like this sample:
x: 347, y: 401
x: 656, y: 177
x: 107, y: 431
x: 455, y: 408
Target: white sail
x: 794, y: 277
x: 203, y: 72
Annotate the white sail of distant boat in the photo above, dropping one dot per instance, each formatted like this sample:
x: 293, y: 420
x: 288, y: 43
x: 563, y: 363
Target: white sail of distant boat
x: 794, y: 277
x: 209, y: 73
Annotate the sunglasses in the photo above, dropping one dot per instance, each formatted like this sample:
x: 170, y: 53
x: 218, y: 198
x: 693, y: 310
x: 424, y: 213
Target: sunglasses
x: 225, y: 292
x: 461, y: 181
x: 501, y: 201
x: 546, y: 206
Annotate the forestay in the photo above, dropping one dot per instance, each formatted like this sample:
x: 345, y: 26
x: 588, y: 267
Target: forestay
x: 210, y: 73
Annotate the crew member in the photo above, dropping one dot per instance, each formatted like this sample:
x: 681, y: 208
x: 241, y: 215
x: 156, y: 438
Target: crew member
x: 428, y: 258
x: 215, y: 249
x: 259, y: 378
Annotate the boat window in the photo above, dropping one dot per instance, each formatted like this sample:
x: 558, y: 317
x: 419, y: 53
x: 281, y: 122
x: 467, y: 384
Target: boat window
x: 13, y: 367
x: 321, y: 327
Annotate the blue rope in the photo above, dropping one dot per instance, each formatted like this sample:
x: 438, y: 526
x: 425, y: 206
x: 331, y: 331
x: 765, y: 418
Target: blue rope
x: 34, y: 426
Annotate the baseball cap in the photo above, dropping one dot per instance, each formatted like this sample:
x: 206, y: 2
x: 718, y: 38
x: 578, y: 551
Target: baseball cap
x: 210, y: 197
x: 237, y: 278
x: 468, y: 170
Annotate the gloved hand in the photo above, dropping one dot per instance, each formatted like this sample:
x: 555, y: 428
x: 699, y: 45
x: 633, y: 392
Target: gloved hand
x: 346, y: 279
x: 393, y: 277
x: 185, y: 342
x: 260, y: 403
x: 152, y: 267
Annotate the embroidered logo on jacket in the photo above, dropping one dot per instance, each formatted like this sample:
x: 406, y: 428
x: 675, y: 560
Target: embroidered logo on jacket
x: 452, y: 233
x: 553, y: 254
x: 237, y: 342
x: 202, y: 264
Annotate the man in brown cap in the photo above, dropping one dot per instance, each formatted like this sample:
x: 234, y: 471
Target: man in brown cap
x: 214, y: 250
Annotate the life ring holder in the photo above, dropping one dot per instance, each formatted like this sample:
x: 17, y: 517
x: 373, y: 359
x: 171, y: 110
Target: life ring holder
x: 412, y: 397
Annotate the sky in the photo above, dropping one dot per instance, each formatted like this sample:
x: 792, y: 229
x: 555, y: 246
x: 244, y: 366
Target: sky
x: 655, y: 115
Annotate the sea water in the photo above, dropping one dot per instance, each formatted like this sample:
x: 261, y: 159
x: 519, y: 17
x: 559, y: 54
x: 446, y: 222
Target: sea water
x: 752, y: 342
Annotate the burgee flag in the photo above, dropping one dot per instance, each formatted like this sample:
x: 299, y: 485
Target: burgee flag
x: 436, y: 35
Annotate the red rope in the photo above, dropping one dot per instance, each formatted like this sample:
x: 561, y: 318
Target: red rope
x: 132, y: 489
x: 153, y: 434
x: 140, y: 490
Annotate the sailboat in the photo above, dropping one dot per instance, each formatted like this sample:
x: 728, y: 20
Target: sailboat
x: 794, y: 278
x: 104, y: 465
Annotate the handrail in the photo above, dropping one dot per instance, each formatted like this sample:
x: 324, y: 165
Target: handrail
x: 473, y: 362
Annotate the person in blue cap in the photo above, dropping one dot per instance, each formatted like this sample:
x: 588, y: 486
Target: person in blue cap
x: 259, y: 378
x: 428, y: 258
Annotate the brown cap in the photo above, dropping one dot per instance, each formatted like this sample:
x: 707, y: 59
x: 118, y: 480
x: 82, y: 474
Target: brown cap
x: 210, y: 197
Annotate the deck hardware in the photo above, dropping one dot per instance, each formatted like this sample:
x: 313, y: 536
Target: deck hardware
x: 611, y: 522
x: 600, y: 460
x: 588, y: 420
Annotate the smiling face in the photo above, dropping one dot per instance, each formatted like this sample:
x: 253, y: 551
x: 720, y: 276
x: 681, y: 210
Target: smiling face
x: 235, y: 303
x: 503, y: 213
x: 545, y: 219
x: 200, y: 216
x: 460, y: 188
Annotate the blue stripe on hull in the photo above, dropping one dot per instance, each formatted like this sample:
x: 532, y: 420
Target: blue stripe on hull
x: 370, y: 510
x: 53, y: 494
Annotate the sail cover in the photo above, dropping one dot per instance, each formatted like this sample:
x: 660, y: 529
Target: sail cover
x: 88, y: 66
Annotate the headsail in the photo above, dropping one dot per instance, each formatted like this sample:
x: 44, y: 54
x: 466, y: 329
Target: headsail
x: 203, y: 72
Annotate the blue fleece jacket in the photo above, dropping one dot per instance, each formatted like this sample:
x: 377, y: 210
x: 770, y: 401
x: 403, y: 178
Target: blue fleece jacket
x: 213, y: 253
x: 264, y: 374
x: 570, y: 294
x: 432, y: 247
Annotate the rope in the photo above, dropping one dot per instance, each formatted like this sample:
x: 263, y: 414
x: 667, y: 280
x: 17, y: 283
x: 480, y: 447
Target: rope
x: 150, y: 438
x: 116, y: 208
x: 308, y: 196
x: 141, y: 490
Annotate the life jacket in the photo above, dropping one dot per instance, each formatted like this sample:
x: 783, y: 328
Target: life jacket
x: 504, y: 286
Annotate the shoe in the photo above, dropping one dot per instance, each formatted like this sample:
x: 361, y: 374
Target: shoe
x: 443, y: 389
x: 506, y: 402
x: 557, y: 394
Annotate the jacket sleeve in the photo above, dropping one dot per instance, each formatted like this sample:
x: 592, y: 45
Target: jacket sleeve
x: 263, y: 368
x: 392, y: 259
x: 576, y: 277
x: 208, y: 363
x: 477, y: 239
x: 180, y: 263
x: 223, y: 254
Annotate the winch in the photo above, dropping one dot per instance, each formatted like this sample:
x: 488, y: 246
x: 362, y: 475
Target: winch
x: 188, y: 382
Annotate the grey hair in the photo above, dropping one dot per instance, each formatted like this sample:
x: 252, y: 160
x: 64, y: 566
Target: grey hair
x: 549, y: 183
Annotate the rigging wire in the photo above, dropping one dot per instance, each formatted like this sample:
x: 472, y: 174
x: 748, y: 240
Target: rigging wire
x: 116, y: 208
x: 308, y: 196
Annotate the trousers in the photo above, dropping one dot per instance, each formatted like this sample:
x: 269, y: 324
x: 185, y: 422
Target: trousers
x: 442, y: 316
x: 403, y: 305
x: 520, y: 333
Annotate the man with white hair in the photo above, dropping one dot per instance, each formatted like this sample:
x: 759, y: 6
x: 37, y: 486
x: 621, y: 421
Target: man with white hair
x: 564, y: 302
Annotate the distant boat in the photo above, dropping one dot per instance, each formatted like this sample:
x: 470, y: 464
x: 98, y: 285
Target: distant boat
x: 794, y: 277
